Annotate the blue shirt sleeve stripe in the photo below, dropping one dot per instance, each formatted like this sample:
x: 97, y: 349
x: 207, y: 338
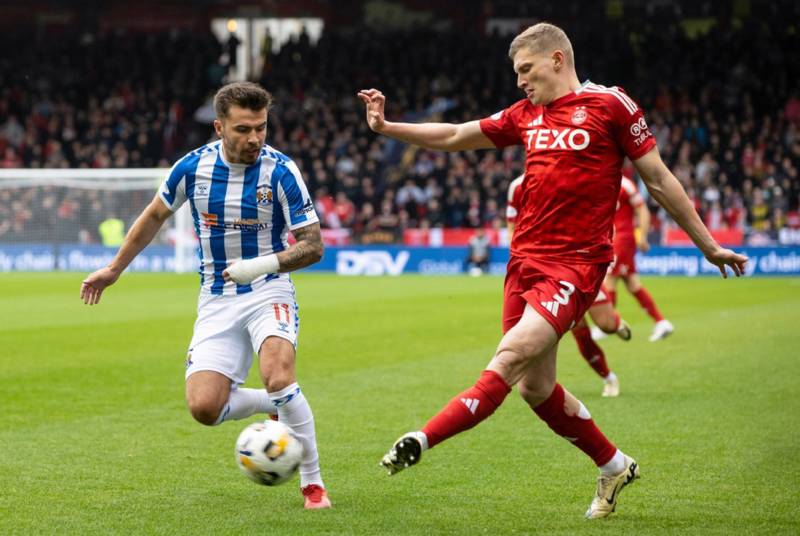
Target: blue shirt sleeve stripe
x: 216, y: 206
x: 249, y: 208
x: 278, y: 221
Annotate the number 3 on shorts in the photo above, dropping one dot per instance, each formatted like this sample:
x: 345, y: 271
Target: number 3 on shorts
x: 563, y: 296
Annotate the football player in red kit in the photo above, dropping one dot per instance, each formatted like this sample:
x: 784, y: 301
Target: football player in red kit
x: 576, y: 136
x: 627, y: 239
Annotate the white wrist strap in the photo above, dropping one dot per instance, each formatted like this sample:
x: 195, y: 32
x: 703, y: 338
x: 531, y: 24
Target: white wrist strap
x: 246, y: 270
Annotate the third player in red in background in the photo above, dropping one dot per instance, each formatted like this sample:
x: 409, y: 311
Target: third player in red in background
x: 576, y: 136
x: 602, y: 312
x: 627, y: 239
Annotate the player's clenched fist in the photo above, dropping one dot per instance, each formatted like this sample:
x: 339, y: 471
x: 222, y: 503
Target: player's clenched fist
x: 374, y: 101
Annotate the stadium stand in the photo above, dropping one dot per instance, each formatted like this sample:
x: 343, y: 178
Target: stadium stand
x: 128, y: 99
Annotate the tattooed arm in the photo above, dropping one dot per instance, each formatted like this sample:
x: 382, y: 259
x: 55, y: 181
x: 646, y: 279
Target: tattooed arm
x: 306, y: 251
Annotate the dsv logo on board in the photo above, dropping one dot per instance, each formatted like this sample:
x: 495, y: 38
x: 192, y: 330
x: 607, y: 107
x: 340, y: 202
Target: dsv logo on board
x: 370, y: 262
x: 576, y: 139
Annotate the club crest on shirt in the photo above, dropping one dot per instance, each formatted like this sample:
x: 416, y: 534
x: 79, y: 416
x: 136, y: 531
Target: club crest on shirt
x: 264, y: 195
x: 579, y: 115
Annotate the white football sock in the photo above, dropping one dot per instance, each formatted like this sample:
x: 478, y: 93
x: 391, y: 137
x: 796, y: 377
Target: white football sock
x: 422, y: 438
x: 611, y: 376
x: 244, y: 402
x: 294, y: 412
x: 615, y: 465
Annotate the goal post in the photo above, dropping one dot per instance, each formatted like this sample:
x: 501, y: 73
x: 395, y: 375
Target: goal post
x: 74, y: 220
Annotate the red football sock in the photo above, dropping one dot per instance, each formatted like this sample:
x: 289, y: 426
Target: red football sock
x: 590, y: 351
x: 468, y: 408
x: 647, y: 303
x: 581, y: 432
x: 612, y: 295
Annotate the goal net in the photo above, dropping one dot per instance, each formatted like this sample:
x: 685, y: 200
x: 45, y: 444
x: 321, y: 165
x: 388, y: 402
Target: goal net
x: 75, y: 219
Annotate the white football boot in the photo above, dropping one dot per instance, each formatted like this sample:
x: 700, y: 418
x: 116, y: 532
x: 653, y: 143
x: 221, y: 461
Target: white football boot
x: 611, y: 386
x: 661, y: 330
x: 608, y: 489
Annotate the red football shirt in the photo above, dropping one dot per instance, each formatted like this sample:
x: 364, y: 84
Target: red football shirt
x: 629, y: 199
x: 574, y: 151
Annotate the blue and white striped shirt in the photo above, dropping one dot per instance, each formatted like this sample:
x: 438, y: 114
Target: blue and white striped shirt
x: 239, y: 211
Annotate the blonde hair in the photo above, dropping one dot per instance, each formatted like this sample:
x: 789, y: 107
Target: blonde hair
x: 543, y: 37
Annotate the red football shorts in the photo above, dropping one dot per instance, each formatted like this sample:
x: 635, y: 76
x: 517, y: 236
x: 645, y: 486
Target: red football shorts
x: 560, y: 292
x: 624, y: 257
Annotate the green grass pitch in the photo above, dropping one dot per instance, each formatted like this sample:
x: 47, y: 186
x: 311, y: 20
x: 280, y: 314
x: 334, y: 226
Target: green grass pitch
x: 95, y: 437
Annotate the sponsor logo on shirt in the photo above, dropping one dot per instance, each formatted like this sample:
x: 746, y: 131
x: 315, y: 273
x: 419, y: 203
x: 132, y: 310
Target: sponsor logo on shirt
x: 576, y: 139
x: 639, y: 131
x: 305, y: 209
x: 201, y: 190
x: 242, y: 224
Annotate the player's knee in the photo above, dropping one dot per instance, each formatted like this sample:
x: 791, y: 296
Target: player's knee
x: 535, y: 391
x: 279, y: 376
x: 204, y: 411
x: 278, y: 382
x: 510, y: 362
x: 521, y: 347
x: 606, y: 323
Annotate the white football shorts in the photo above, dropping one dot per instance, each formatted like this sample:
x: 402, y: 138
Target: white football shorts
x: 230, y: 328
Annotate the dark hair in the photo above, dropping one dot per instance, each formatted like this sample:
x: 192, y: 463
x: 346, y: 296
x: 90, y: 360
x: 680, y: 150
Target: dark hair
x: 244, y: 94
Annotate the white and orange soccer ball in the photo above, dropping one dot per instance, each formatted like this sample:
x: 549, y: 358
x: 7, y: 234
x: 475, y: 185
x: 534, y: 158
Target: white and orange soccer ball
x: 268, y: 453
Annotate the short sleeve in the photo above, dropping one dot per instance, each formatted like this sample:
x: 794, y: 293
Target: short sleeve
x: 173, y: 190
x: 501, y: 128
x: 298, y: 208
x: 632, y: 132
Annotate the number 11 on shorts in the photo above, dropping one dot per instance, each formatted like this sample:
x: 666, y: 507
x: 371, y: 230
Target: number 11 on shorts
x: 281, y: 307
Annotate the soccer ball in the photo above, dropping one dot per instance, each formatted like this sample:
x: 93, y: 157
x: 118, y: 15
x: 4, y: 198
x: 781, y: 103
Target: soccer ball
x: 268, y: 453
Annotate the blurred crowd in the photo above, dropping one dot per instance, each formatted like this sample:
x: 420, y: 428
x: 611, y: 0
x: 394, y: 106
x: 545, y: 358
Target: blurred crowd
x: 724, y: 107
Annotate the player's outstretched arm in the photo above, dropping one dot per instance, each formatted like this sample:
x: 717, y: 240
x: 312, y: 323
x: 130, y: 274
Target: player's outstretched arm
x: 665, y: 188
x: 141, y: 233
x: 307, y: 250
x: 439, y: 136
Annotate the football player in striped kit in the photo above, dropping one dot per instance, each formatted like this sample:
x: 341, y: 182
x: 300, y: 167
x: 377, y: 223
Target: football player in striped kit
x: 245, y: 196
